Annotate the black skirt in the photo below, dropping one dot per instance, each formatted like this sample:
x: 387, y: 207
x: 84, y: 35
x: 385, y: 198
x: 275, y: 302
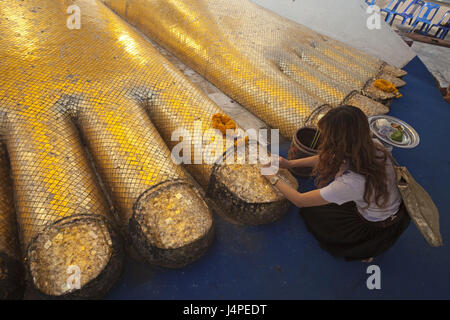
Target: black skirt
x: 343, y: 232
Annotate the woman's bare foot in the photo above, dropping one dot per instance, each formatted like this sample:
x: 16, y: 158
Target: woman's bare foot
x: 368, y: 260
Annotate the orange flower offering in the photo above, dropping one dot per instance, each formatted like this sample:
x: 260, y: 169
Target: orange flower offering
x: 223, y: 122
x: 387, y: 86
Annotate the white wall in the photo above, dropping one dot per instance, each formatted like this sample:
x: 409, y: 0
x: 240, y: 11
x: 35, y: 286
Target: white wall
x: 346, y: 21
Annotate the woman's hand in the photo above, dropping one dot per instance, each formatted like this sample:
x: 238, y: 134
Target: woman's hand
x: 284, y: 163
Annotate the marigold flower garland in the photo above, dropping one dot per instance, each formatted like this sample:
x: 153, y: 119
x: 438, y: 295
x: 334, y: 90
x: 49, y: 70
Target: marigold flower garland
x: 387, y: 86
x: 223, y: 122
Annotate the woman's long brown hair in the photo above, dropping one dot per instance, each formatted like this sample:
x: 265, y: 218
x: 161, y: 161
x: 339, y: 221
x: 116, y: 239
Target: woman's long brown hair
x: 345, y: 136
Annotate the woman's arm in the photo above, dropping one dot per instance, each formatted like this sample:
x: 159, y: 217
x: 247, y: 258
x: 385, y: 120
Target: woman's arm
x: 307, y: 199
x: 304, y: 162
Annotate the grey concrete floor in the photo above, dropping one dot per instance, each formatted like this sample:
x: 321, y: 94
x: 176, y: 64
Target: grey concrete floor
x: 437, y: 60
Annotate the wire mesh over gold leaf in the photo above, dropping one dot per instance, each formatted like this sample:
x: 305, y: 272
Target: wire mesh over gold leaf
x: 64, y: 88
x: 279, y: 70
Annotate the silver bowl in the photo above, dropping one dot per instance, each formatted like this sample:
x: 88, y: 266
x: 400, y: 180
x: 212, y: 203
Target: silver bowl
x: 410, y: 140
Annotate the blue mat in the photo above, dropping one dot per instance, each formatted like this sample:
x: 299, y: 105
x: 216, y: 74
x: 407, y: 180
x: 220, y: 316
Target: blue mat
x: 284, y: 261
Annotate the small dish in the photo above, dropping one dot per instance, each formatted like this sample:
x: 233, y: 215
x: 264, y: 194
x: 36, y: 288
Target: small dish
x: 382, y: 128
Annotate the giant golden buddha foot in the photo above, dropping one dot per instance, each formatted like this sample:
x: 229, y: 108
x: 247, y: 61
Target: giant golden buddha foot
x: 11, y: 268
x: 69, y: 244
x: 279, y: 70
x: 167, y: 220
x: 62, y: 85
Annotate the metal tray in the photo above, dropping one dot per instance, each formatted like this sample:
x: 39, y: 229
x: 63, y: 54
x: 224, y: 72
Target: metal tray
x: 411, y: 138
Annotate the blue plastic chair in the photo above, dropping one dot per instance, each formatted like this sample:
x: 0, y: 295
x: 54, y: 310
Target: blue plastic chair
x: 444, y: 33
x: 443, y: 26
x: 425, y: 18
x: 391, y: 12
x: 410, y: 11
x: 370, y: 2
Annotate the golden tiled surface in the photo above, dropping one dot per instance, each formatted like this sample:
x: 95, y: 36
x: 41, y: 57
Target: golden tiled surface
x: 255, y: 57
x: 58, y: 86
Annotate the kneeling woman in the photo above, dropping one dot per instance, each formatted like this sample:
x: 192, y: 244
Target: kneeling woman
x: 357, y: 212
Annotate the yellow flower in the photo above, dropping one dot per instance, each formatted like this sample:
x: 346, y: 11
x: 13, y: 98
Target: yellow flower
x: 387, y: 86
x: 223, y: 122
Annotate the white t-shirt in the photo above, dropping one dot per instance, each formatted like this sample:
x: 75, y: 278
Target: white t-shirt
x: 350, y: 186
